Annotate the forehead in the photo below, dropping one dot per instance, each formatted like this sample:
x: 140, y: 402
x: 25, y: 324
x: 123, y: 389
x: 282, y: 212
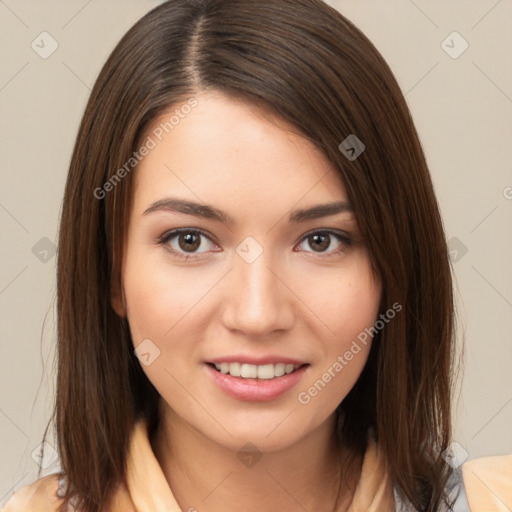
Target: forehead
x: 225, y: 150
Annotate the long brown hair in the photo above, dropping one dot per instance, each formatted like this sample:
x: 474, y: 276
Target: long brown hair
x: 309, y: 65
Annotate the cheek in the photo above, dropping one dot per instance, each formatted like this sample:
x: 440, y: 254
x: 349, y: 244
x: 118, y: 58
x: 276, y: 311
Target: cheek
x: 160, y: 298
x: 348, y: 305
x: 150, y: 304
x: 358, y: 309
x: 346, y: 302
x: 162, y: 308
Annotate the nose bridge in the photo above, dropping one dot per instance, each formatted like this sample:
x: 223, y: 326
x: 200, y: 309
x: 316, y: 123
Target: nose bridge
x: 258, y: 301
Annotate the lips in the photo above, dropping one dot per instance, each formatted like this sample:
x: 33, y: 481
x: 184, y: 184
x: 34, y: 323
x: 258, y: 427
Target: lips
x: 255, y: 382
x: 261, y: 367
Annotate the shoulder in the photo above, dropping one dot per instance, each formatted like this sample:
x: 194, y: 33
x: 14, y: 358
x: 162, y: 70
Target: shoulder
x: 39, y: 496
x: 488, y: 482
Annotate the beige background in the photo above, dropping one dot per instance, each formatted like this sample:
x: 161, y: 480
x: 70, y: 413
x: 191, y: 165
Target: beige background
x: 462, y: 108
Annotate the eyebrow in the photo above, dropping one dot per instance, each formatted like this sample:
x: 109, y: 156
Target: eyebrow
x: 170, y: 204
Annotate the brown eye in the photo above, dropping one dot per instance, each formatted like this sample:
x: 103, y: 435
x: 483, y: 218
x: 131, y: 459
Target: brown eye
x: 320, y: 241
x: 184, y: 243
x: 189, y: 241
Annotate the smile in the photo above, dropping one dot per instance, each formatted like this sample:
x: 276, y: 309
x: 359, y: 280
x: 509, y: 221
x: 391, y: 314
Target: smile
x: 252, y: 371
x: 255, y: 383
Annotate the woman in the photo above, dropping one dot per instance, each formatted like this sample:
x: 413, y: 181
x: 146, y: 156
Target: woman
x: 254, y: 291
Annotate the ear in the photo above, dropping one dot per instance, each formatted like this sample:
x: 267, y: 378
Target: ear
x: 117, y: 298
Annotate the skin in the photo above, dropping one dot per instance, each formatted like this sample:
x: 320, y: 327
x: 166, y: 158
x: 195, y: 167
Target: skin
x: 300, y: 298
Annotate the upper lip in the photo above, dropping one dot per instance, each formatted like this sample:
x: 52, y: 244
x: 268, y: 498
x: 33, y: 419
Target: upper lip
x: 258, y: 361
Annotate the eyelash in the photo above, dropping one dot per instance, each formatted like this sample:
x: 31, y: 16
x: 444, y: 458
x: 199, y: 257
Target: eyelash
x: 345, y: 241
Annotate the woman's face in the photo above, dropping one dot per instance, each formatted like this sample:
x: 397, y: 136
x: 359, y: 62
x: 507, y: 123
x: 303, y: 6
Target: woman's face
x: 260, y: 278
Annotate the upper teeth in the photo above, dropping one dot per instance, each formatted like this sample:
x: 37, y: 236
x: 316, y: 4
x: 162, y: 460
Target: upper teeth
x: 252, y: 371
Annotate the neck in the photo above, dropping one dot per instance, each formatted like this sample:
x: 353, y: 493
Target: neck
x: 206, y: 476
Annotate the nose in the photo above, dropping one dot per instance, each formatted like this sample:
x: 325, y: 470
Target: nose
x: 258, y: 299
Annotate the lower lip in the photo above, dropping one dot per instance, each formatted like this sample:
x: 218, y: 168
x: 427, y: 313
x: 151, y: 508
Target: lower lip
x: 256, y: 390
